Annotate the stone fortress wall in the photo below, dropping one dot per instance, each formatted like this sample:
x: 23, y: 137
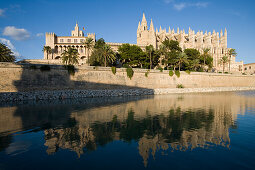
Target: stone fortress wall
x: 18, y: 78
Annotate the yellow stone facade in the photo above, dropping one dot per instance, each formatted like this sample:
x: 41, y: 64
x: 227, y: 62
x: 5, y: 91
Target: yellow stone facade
x: 217, y: 42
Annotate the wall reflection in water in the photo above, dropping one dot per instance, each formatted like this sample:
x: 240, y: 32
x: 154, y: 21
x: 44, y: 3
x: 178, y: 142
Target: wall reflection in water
x: 157, y: 123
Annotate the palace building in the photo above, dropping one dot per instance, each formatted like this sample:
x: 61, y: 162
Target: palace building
x: 215, y: 41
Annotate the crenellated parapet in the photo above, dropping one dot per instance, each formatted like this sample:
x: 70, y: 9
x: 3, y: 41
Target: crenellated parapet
x: 215, y: 41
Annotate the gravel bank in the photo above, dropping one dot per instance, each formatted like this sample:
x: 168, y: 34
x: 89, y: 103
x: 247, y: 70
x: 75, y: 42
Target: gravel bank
x: 72, y: 94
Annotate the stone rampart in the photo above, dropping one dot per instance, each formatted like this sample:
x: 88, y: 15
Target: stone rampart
x: 27, y: 77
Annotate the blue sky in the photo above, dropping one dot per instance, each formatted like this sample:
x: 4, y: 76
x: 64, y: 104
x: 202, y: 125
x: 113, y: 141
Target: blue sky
x: 23, y: 23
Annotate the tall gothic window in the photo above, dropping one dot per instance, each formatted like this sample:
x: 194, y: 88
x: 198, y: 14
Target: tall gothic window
x: 75, y: 40
x: 69, y: 40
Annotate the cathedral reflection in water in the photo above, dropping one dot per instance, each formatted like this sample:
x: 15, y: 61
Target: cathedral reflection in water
x: 157, y: 123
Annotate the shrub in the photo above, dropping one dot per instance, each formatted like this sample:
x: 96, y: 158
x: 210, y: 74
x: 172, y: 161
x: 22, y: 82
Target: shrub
x: 177, y: 73
x: 114, y: 70
x: 130, y: 72
x: 244, y: 74
x: 147, y: 73
x: 226, y: 72
x: 200, y: 69
x: 125, y: 65
x: 45, y: 68
x: 179, y: 86
x: 160, y: 69
x: 187, y: 71
x: 219, y: 72
x: 70, y: 69
x: 171, y: 73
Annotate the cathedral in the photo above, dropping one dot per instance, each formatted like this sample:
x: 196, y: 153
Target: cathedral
x: 216, y: 42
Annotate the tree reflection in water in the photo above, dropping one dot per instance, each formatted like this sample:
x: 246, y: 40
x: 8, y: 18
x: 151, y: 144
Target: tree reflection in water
x: 156, y: 124
x: 178, y: 130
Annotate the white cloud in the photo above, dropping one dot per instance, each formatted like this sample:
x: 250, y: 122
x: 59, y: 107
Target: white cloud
x: 2, y: 12
x: 16, y: 33
x: 200, y: 4
x: 10, y: 45
x: 39, y: 34
x: 168, y: 1
x: 178, y: 5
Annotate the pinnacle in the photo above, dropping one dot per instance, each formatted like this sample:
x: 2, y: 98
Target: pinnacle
x: 144, y: 19
x: 151, y: 26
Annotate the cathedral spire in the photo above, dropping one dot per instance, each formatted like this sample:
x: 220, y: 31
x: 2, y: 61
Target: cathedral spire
x: 226, y: 33
x: 221, y: 33
x: 169, y: 29
x: 151, y: 26
x: 160, y: 29
x: 144, y: 19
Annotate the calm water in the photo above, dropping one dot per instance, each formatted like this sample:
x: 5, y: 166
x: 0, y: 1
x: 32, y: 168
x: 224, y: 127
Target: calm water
x: 191, y: 131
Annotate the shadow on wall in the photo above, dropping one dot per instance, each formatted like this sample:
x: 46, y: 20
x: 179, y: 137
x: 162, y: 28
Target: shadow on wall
x: 36, y: 77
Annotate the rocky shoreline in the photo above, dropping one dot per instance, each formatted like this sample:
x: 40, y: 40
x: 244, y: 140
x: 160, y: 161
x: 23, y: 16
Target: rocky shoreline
x: 73, y: 94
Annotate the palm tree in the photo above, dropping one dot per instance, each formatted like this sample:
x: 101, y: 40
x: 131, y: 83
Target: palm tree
x: 205, y: 54
x: 6, y: 54
x: 108, y: 54
x: 181, y: 58
x: 231, y: 52
x: 88, y: 44
x: 149, y: 50
x: 47, y: 49
x: 195, y: 64
x: 70, y: 56
x: 223, y: 61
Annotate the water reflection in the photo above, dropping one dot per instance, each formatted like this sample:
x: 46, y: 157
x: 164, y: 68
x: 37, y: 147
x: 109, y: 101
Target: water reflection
x: 157, y: 123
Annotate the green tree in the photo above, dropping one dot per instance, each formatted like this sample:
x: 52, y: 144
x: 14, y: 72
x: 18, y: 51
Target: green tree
x: 132, y: 55
x: 102, y: 54
x: 99, y: 43
x: 170, y: 49
x: 205, y: 54
x: 223, y: 61
x: 195, y: 64
x: 193, y: 58
x: 231, y: 52
x: 182, y: 58
x: 108, y: 54
x: 6, y: 55
x: 89, y: 44
x: 70, y: 57
x: 149, y: 51
x: 48, y: 50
